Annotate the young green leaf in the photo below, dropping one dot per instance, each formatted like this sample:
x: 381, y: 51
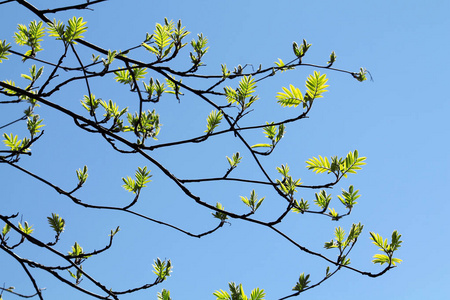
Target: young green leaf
x: 4, y: 50
x: 162, y: 269
x: 302, y: 283
x: 82, y: 175
x: 300, y: 207
x: 57, y: 223
x: 74, y: 30
x: 253, y: 201
x: 213, y: 120
x: 332, y: 59
x: 26, y: 228
x: 291, y: 97
x: 280, y: 64
x: 316, y: 86
x: 164, y: 295
x: 352, y: 163
x: 319, y: 165
x: 348, y: 198
x: 5, y: 230
x: 322, y: 199
x: 234, y: 160
x: 220, y: 215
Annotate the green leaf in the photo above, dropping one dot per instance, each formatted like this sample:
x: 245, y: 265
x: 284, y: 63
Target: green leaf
x: 348, y: 198
x: 130, y: 184
x: 6, y: 229
x: 243, y: 95
x: 12, y: 142
x: 164, y: 38
x: 280, y: 64
x: 213, y: 120
x: 82, y: 175
x: 56, y: 29
x: 352, y: 163
x: 315, y: 86
x: 222, y: 295
x: 334, y: 214
x: 300, y: 207
x: 162, y: 269
x: 380, y: 259
x: 234, y: 160
x: 253, y: 201
x: 74, y: 30
x: 30, y: 36
x: 332, y: 59
x: 257, y: 294
x: 388, y: 249
x: 291, y: 97
x: 142, y: 178
x: 302, y: 283
x: 145, y: 126
x: 34, y: 124
x: 26, y: 228
x: 220, y: 215
x: 57, y: 223
x: 319, y: 165
x: 361, y: 75
x: 4, y: 50
x: 261, y: 145
x: 125, y: 76
x: 90, y: 103
x: 225, y: 71
x: 77, y: 250
x: 164, y: 295
x: 322, y: 199
x: 173, y: 85
x: 283, y: 170
x: 339, y: 233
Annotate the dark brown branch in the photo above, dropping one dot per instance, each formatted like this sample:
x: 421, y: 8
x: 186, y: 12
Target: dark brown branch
x: 77, y: 6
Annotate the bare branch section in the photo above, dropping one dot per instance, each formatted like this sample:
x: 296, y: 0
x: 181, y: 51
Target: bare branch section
x: 230, y: 95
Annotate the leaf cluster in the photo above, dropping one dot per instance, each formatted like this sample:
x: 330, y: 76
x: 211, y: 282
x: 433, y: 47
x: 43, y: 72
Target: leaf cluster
x: 165, y: 38
x: 68, y: 34
x: 243, y: 95
x: 315, y: 87
x: 164, y: 295
x: 30, y: 36
x: 213, y: 120
x: 4, y: 50
x: 280, y: 64
x: 131, y: 75
x: 218, y: 214
x: 301, y: 50
x: 338, y: 166
x: 57, y: 223
x: 135, y: 185
x: 200, y: 50
x: 341, y: 242
x: 234, y: 160
x: 237, y: 293
x: 14, y: 144
x: 144, y: 125
x: 162, y: 269
x: 253, y: 201
x: 387, y: 248
x: 302, y: 282
x: 274, y: 134
x: 287, y: 185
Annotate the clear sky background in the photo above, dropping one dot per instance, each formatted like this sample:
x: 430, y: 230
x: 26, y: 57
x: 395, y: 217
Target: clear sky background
x: 399, y: 121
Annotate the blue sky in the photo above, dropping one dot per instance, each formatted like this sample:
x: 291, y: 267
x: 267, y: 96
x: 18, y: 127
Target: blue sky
x: 399, y: 121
